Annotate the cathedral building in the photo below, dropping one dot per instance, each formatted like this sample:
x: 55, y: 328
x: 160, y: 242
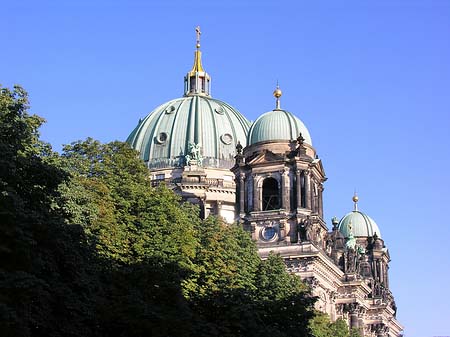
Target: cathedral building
x: 267, y: 176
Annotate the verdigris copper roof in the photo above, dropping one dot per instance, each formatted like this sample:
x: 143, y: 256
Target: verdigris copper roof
x: 163, y: 136
x: 276, y: 125
x: 359, y: 223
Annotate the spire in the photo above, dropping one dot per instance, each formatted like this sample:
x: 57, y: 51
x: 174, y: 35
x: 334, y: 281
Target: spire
x: 197, y: 81
x: 197, y: 67
x: 277, y: 93
x: 355, y: 201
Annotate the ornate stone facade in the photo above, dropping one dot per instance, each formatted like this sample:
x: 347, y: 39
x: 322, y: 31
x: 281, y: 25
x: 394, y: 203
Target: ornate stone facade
x: 279, y: 188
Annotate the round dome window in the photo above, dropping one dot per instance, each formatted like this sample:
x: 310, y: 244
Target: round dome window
x: 162, y: 138
x: 219, y: 110
x: 170, y: 109
x: 226, y: 138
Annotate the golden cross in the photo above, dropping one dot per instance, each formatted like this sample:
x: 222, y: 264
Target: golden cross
x: 198, y: 32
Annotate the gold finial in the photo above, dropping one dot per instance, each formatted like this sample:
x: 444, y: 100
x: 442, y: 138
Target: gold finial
x: 197, y: 81
x: 198, y: 32
x: 277, y: 93
x: 197, y: 67
x: 355, y: 200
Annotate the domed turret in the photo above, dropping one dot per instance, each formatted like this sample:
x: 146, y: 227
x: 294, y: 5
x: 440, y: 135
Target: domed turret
x: 277, y: 125
x: 358, y: 223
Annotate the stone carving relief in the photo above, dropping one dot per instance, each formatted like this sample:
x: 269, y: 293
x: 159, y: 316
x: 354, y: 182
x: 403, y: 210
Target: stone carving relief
x: 311, y: 281
x: 297, y: 266
x: 379, y: 329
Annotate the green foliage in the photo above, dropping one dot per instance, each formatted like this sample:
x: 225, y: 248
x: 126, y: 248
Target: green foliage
x: 274, y: 282
x: 129, y: 221
x: 234, y: 293
x: 283, y: 299
x: 321, y: 326
x: 226, y: 259
x: 46, y: 284
x: 355, y: 333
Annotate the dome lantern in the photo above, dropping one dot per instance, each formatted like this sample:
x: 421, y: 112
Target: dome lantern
x: 197, y: 81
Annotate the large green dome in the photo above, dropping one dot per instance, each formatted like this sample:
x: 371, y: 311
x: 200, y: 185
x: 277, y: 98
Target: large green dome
x: 361, y: 225
x: 277, y: 125
x: 163, y: 136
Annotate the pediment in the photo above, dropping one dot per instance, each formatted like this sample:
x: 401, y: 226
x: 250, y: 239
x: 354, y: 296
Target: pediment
x: 318, y: 164
x: 265, y: 157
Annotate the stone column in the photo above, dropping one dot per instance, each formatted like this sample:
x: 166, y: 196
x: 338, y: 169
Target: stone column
x: 381, y: 271
x: 241, y: 193
x: 285, y: 189
x: 299, y: 188
x: 219, y: 208
x: 374, y: 269
x: 378, y: 269
x: 353, y: 314
x: 307, y: 189
x: 312, y: 186
x: 202, y: 203
x: 385, y: 273
x: 249, y: 196
x: 256, y: 206
x: 321, y: 201
x: 253, y: 231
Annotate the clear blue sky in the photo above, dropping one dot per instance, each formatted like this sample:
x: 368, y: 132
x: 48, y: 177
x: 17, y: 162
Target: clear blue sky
x: 370, y: 79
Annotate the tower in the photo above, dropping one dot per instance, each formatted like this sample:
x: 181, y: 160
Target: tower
x: 279, y: 181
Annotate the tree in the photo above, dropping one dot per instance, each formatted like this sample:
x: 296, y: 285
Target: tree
x: 145, y: 236
x: 284, y: 300
x: 226, y: 259
x: 234, y: 293
x: 321, y: 326
x: 45, y: 282
x: 110, y: 195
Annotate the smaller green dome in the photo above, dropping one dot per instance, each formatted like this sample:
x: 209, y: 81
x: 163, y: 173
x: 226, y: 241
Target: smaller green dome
x: 277, y: 125
x: 361, y: 225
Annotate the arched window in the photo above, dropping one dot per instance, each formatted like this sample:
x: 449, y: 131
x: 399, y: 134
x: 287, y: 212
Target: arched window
x: 270, y: 194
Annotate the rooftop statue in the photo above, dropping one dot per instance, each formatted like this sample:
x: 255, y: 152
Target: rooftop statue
x: 351, y: 241
x: 194, y: 157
